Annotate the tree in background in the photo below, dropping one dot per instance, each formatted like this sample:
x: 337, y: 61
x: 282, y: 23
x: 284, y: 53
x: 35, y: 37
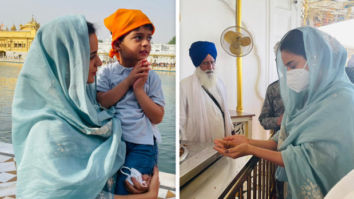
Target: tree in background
x: 172, y: 41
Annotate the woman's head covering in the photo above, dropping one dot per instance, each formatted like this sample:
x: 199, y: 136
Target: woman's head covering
x: 200, y: 49
x: 325, y: 58
x: 316, y: 138
x: 60, y: 149
x: 122, y: 22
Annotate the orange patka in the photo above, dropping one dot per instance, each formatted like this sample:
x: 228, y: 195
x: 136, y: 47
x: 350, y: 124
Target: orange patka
x: 122, y: 22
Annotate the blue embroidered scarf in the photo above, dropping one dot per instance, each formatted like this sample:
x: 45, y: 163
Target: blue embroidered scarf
x: 316, y: 139
x: 65, y: 146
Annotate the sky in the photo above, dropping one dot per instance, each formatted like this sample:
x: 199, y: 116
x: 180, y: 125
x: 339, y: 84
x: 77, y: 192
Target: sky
x: 161, y: 13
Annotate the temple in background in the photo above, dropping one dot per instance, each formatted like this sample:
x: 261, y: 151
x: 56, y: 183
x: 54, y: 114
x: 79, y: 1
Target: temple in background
x: 162, y: 56
x: 15, y: 43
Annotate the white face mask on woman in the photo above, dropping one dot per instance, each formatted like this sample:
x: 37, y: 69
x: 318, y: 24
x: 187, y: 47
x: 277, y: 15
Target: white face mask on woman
x: 298, y: 79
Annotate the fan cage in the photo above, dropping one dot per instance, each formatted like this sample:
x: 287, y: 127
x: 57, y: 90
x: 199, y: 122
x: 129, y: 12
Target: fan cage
x: 225, y: 45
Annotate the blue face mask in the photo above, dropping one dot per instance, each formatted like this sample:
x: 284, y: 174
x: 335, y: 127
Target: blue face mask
x: 298, y: 79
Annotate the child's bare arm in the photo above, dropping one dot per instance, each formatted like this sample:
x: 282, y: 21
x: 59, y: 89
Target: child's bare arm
x: 111, y: 97
x: 152, y: 110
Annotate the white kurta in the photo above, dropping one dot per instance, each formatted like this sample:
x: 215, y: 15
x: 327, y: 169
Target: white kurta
x: 200, y: 119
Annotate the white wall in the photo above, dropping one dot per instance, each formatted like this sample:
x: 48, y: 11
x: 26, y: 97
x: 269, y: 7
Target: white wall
x: 205, y: 20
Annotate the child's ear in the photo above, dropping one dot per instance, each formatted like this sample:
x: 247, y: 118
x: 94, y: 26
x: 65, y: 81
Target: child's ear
x: 116, y: 45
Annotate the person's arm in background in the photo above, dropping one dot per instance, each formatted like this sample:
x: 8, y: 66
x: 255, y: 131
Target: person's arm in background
x: 267, y: 118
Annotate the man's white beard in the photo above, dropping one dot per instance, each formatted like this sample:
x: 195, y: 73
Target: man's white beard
x: 206, y: 78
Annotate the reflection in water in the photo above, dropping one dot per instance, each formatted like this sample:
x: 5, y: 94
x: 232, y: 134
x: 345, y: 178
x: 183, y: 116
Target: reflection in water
x: 8, y: 78
x: 168, y: 127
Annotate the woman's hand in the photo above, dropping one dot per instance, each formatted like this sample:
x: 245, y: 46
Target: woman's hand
x: 230, y: 141
x: 236, y: 139
x: 152, y: 188
x: 223, y: 144
x: 137, y: 188
x: 154, y: 184
x: 232, y: 146
x: 237, y: 151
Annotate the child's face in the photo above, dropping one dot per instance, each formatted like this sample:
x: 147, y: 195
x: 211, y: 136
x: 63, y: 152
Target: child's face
x: 135, y: 45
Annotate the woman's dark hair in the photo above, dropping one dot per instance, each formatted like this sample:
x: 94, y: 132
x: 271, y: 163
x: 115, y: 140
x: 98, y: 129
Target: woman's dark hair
x: 91, y: 29
x: 294, y: 43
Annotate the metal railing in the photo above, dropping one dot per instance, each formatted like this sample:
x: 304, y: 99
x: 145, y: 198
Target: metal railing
x: 256, y: 180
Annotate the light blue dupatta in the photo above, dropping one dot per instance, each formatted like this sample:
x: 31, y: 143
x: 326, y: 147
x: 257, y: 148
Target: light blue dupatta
x: 61, y: 150
x: 316, y: 139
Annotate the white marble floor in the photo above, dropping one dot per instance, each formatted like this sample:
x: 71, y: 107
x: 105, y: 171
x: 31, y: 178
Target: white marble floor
x: 7, y: 172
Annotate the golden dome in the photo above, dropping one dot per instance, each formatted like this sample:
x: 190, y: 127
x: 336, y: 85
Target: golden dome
x: 13, y: 28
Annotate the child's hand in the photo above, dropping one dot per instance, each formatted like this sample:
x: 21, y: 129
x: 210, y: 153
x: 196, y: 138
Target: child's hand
x: 140, y: 81
x: 140, y: 70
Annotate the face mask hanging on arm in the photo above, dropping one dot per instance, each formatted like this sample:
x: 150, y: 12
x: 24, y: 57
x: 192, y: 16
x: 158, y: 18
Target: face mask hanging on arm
x: 298, y: 79
x: 133, y: 174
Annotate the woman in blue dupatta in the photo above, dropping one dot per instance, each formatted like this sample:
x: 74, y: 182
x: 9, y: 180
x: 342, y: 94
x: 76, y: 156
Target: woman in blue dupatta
x: 65, y: 146
x: 315, y: 145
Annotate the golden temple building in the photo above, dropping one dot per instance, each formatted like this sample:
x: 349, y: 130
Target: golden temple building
x: 15, y: 43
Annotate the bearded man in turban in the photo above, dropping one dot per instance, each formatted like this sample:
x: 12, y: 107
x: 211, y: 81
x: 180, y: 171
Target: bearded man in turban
x: 203, y: 109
